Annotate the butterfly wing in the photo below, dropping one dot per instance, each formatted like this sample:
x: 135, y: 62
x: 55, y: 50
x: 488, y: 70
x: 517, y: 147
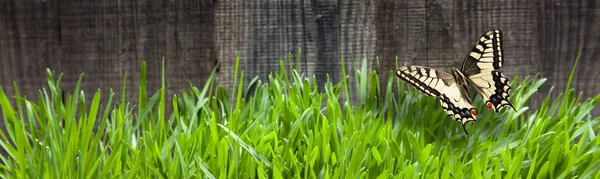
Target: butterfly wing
x: 481, y: 66
x: 453, y: 97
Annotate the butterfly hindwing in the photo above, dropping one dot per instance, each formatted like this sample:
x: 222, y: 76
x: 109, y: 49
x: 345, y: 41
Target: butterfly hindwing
x: 452, y: 95
x: 481, y: 66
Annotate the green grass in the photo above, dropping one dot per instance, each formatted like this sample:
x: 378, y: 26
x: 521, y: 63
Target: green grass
x: 286, y: 128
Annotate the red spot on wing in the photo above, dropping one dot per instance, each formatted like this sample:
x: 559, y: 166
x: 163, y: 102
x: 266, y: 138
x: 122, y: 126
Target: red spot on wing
x: 489, y: 104
x: 474, y: 112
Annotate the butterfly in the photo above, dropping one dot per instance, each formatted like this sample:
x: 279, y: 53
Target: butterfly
x: 479, y: 70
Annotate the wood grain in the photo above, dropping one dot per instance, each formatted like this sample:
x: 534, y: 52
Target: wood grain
x: 106, y: 39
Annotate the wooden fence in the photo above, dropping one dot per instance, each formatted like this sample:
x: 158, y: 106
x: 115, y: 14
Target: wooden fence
x: 105, y: 39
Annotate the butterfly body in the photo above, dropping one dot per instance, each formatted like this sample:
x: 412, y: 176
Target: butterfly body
x: 479, y: 71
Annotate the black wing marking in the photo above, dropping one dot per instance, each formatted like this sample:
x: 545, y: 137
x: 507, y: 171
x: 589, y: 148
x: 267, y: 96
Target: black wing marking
x: 462, y: 111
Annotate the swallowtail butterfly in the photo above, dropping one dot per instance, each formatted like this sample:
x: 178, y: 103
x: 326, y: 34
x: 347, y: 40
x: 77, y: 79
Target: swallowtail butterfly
x: 479, y: 70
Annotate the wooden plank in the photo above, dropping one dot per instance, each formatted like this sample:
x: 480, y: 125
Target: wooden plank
x: 98, y: 40
x: 324, y: 18
x: 401, y: 28
x: 263, y: 32
x: 29, y: 43
x: 183, y: 32
x: 564, y: 28
x: 392, y: 27
x: 438, y: 34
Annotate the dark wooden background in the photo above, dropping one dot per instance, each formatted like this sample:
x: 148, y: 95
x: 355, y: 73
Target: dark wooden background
x: 104, y: 39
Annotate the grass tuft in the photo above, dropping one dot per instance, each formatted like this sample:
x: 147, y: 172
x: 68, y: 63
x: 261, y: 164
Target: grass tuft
x: 287, y: 128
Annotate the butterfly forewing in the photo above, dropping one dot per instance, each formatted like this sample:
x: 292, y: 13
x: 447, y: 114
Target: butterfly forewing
x: 481, y: 66
x: 429, y: 81
x: 486, y: 54
x: 453, y: 97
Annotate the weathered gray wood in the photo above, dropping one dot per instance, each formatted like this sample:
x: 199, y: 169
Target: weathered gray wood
x: 105, y: 39
x: 564, y: 28
x: 262, y: 32
x: 29, y: 42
